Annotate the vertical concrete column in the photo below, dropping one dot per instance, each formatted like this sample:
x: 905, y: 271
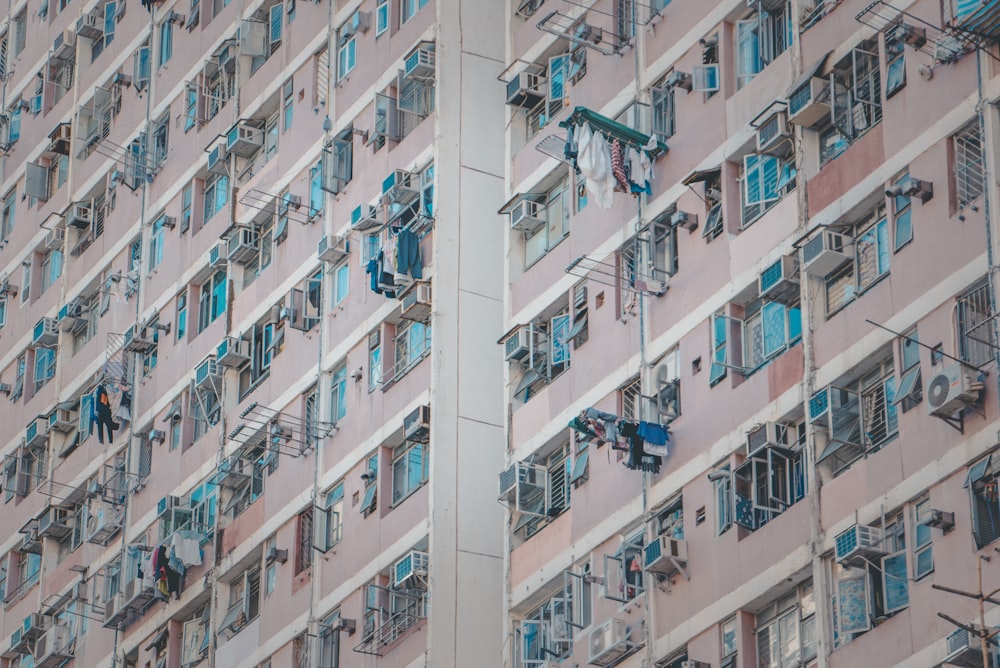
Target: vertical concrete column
x: 467, y: 406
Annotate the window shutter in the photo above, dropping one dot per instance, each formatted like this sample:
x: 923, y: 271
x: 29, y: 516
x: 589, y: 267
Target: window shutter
x: 748, y: 44
x: 557, y: 81
x: 853, y: 601
x: 275, y: 18
x: 253, y: 38
x: 36, y: 181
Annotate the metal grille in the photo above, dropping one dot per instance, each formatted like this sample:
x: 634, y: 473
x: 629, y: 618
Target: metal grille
x: 976, y: 338
x: 970, y: 181
x: 303, y: 556
x: 631, y: 395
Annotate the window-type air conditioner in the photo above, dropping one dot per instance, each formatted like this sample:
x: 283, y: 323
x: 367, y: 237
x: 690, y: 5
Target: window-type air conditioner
x: 53, y: 647
x: 89, y: 26
x: 80, y: 216
x: 689, y: 221
x: 230, y: 472
x: 908, y: 34
x: 232, y: 352
x: 138, y: 341
x: 69, y: 315
x: 417, y: 425
x: 963, y: 650
x: 36, y: 433
x: 243, y: 244
x: 103, y: 521
x: 217, y: 159
x: 665, y: 555
x: 772, y: 133
x: 527, y: 216
x: 521, y: 343
x: 64, y: 46
x: 332, y: 248
x: 275, y: 554
x: 678, y: 79
x: 114, y: 610
x: 517, y: 475
x: 217, y: 255
x: 244, y: 139
x: 825, y: 252
x: 168, y: 504
x: 809, y: 103
x: 400, y: 187
x: 53, y: 523
x: 951, y: 390
x: 766, y: 435
x: 415, y: 302
x: 364, y: 217
x: 63, y: 420
x: 45, y: 332
x: 406, y: 571
x: 608, y: 642
x: 55, y: 238
x: 206, y: 372
x: 526, y: 90
x: 858, y: 544
x: 419, y: 63
x: 779, y: 280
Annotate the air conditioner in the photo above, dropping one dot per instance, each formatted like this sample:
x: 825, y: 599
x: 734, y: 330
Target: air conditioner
x: 409, y: 568
x: 244, y: 140
x: 911, y: 187
x: 766, y: 435
x: 665, y: 555
x: 115, y: 610
x: 33, y: 626
x: 589, y: 33
x: 608, y: 642
x: 206, y: 372
x: 809, y: 103
x: 216, y: 256
x: 526, y: 90
x: 419, y: 63
x: 64, y: 46
x: 520, y: 343
x: 275, y: 555
x: 230, y: 472
x: 332, y: 248
x: 415, y: 302
x: 55, y: 238
x: 360, y: 22
x: 233, y: 352
x: 940, y: 519
x: 951, y: 390
x: 912, y: 35
x: 678, y: 79
x: 63, y: 420
x: 289, y: 201
x: 400, y: 187
x: 779, y: 280
x: 157, y: 435
x: 217, y: 159
x: 417, y: 425
x: 36, y: 433
x: 6, y: 289
x: 80, y: 216
x: 772, y: 132
x: 52, y: 523
x: 527, y: 216
x: 90, y: 26
x: 103, y: 521
x: 138, y: 342
x: 53, y: 647
x: 30, y: 543
x: 45, y: 333
x: 122, y: 79
x: 364, y: 217
x: 70, y: 317
x: 825, y: 252
x: 688, y: 221
x: 857, y: 545
x: 243, y: 244
x: 963, y: 650
x: 690, y: 663
x: 168, y: 504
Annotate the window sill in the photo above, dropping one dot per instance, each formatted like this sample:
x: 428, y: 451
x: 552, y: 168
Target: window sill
x: 398, y: 502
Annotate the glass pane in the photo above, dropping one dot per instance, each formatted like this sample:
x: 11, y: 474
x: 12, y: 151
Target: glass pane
x: 773, y: 319
x: 904, y: 229
x: 895, y: 583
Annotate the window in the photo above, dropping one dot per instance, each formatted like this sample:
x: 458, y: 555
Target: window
x: 976, y: 340
x: 244, y: 601
x: 556, y: 215
x: 970, y: 173
x: 760, y: 38
x: 771, y: 479
x: 330, y: 529
x: 52, y: 263
x: 3, y: 312
x: 413, y: 343
x: 166, y: 43
x: 287, y: 106
x: 381, y: 17
x: 910, y: 388
x: 271, y: 137
x: 764, y: 181
x: 560, y: 69
x: 895, y: 64
x: 901, y: 218
x: 45, y: 366
x: 546, y: 634
x: 271, y: 569
x: 75, y: 521
x: 205, y: 410
x: 409, y: 8
x: 216, y: 195
x: 623, y: 573
x: 720, y: 350
x: 923, y: 556
x: 180, y: 321
x: 3, y: 576
x: 304, y: 534
x: 7, y: 215
x: 872, y: 252
x: 310, y: 415
x: 664, y: 118
x: 729, y: 643
x: 374, y: 360
x: 149, y: 356
x: 187, y: 195
x: 190, y: 106
x: 983, y: 482
x: 409, y: 470
x: 338, y: 389
x: 26, y: 279
x: 786, y: 630
x: 156, y: 242
x: 211, y: 299
x: 722, y: 487
x: 347, y: 55
x: 20, y: 31
x: 341, y: 282
x: 316, y: 189
x: 855, y: 101
x: 664, y: 249
x: 625, y: 18
x: 160, y: 142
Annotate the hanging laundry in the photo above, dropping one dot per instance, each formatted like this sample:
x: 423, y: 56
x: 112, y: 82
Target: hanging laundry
x: 608, y: 422
x: 124, y: 412
x: 655, y: 437
x: 638, y: 460
x: 102, y: 417
x: 380, y: 281
x: 618, y: 166
x: 186, y: 547
x: 637, y: 162
x: 408, y: 253
x: 594, y: 162
x: 570, y: 148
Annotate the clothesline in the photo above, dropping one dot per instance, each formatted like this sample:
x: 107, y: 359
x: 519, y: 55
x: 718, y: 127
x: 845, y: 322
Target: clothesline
x: 647, y: 443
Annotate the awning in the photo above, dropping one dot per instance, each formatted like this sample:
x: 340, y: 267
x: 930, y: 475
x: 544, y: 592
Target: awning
x: 807, y: 74
x: 700, y: 175
x: 909, y: 385
x: 833, y: 448
x: 976, y: 471
x: 612, y: 128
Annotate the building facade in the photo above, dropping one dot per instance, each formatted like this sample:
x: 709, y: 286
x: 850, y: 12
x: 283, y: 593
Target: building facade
x: 224, y: 249
x: 753, y: 398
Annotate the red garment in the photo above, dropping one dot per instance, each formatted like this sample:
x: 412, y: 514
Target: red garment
x: 618, y: 166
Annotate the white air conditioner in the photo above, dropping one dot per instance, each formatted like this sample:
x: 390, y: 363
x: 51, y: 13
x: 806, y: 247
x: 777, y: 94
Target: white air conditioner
x: 233, y: 352
x: 415, y: 302
x: 36, y: 432
x: 526, y: 90
x: 419, y: 63
x: 527, y: 216
x: 608, y: 642
x: 90, y: 26
x: 114, y: 610
x: 779, y: 280
x: 515, y: 475
x: 55, y: 238
x: 417, y: 425
x: 168, y: 504
x: 139, y: 342
x: 64, y: 46
x: 364, y: 218
x: 400, y: 187
x: 361, y: 22
x: 206, y: 372
x: 908, y: 34
x: 80, y: 216
x: 63, y: 420
x: 665, y: 555
x: 951, y: 390
x: 216, y: 255
x: 103, y: 521
x: 54, y: 523
x: 45, y: 332
x: 858, y: 545
x: 678, y: 79
x: 244, y: 140
x: 689, y: 221
x: 243, y: 244
x: 809, y: 103
x: 217, y: 159
x: 520, y: 343
x: 963, y: 650
x: 332, y: 248
x: 772, y: 134
x: 769, y: 434
x: 406, y: 571
x: 53, y: 647
x: 825, y: 252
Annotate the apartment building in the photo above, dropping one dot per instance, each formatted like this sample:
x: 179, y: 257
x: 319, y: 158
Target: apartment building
x: 753, y: 398
x: 224, y: 249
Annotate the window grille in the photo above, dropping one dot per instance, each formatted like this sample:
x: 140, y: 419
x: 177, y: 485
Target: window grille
x: 970, y: 177
x: 976, y: 338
